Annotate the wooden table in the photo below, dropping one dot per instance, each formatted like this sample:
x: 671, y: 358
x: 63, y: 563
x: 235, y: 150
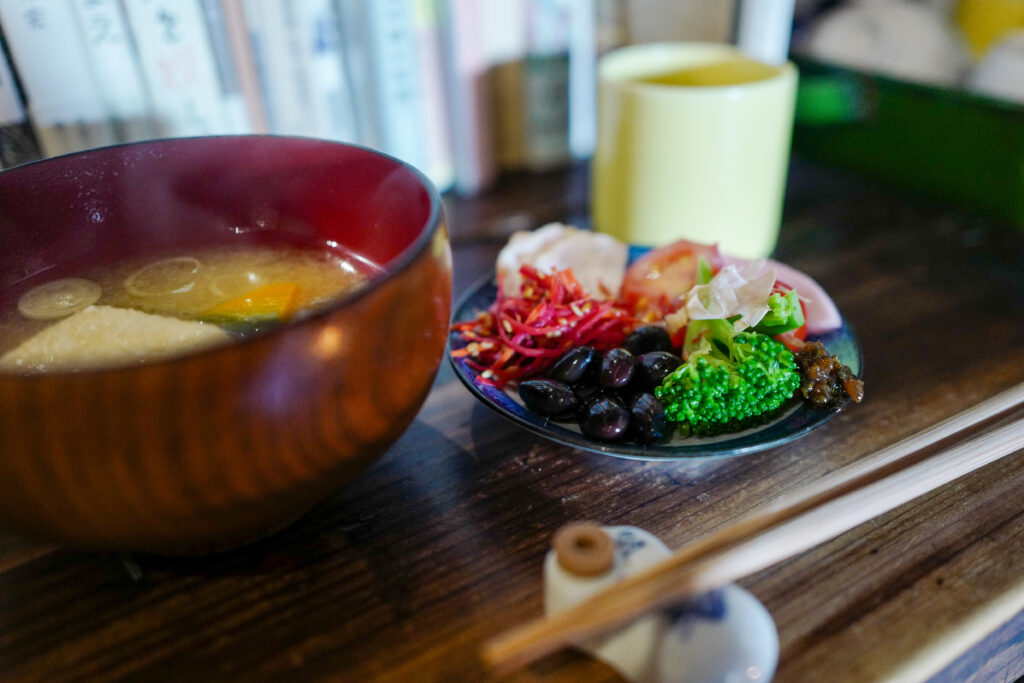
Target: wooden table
x: 403, y: 574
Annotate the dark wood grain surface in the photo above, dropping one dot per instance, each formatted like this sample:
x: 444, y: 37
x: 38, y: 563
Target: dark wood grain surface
x: 401, y: 575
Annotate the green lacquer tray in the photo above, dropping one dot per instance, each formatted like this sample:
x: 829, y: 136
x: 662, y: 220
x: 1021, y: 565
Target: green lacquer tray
x: 943, y: 143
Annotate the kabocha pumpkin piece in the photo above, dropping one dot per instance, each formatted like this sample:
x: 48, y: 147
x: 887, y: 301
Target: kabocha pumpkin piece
x: 276, y: 301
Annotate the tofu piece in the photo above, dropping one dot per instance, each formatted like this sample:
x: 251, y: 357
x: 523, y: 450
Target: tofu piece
x: 597, y: 260
x: 104, y: 336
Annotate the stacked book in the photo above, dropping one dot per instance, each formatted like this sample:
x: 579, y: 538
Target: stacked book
x: 460, y: 89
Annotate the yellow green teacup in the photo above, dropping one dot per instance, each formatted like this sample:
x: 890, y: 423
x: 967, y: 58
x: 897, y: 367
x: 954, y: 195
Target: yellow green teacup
x: 693, y: 142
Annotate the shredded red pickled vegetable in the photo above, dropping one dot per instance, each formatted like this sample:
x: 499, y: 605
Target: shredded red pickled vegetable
x: 522, y: 336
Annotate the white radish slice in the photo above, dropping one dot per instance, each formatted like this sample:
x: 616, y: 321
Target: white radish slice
x: 235, y: 284
x: 59, y: 298
x: 821, y: 312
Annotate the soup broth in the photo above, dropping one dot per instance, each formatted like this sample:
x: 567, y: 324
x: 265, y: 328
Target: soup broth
x: 141, y: 309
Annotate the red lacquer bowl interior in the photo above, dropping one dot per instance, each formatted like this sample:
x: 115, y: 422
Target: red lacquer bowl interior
x: 219, y: 447
x: 205, y: 191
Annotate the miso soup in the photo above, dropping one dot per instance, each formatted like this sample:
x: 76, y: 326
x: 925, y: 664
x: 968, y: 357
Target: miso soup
x: 140, y: 309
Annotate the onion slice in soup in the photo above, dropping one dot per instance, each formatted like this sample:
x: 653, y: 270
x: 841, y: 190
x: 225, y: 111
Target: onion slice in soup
x: 166, y: 276
x: 58, y: 298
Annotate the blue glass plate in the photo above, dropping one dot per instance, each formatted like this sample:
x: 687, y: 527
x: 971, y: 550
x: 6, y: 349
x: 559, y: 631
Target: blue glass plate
x: 792, y: 422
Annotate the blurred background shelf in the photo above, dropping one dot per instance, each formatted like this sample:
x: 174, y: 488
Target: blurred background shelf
x: 925, y: 95
x: 461, y: 89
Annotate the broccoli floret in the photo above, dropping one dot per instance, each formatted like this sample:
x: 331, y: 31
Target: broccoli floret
x: 730, y: 380
x: 784, y: 314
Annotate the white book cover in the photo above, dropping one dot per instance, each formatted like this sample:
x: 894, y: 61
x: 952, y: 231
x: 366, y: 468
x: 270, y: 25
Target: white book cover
x: 235, y: 106
x: 298, y: 50
x: 466, y: 68
x: 360, y: 70
x: 440, y: 161
x: 276, y: 31
x: 119, y: 80
x: 582, y: 78
x: 396, y: 71
x: 333, y: 108
x: 178, y: 62
x: 244, y: 61
x: 48, y: 51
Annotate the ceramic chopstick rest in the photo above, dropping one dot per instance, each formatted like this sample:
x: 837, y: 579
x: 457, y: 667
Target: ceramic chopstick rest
x: 722, y: 635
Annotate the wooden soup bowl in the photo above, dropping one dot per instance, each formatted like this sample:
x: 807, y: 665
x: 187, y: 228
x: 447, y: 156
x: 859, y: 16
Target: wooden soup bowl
x: 221, y: 447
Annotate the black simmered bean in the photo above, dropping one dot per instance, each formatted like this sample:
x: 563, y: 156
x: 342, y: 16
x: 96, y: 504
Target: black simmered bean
x: 575, y: 364
x: 617, y: 368
x: 648, y: 338
x: 653, y: 367
x: 548, y: 398
x: 604, y: 418
x: 647, y: 420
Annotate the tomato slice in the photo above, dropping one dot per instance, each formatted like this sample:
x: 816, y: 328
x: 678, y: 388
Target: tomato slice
x: 656, y: 283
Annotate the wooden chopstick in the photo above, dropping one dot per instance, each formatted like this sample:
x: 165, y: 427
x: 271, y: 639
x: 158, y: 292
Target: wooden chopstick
x: 835, y: 504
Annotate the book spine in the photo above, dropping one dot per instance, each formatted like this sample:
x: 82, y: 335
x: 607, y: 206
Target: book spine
x: 235, y: 110
x: 119, y: 81
x: 275, y: 27
x: 611, y: 28
x: 360, y: 70
x: 244, y: 61
x: 466, y: 68
x: 63, y: 99
x: 763, y: 29
x: 503, y: 32
x: 11, y: 108
x: 440, y: 163
x: 332, y: 113
x: 399, y: 91
x: 17, y: 142
x: 177, y: 60
x: 582, y: 78
x: 547, y: 94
